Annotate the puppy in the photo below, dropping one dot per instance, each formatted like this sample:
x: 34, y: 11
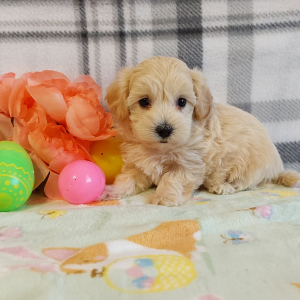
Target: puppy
x: 175, y: 137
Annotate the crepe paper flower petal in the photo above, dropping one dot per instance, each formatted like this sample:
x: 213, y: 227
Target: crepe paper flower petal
x: 22, y: 106
x: 7, y: 75
x: 52, y: 140
x: 41, y: 170
x: 53, y: 145
x: 6, y: 127
x: 6, y: 84
x: 49, y: 76
x: 46, y: 89
x: 73, y: 125
x: 91, y: 83
x: 105, y: 132
x: 86, y: 118
x: 35, y: 115
x: 16, y: 131
x: 20, y: 136
x: 82, y: 115
x: 18, y: 96
x: 105, y: 135
x: 63, y: 159
x: 81, y: 90
x: 106, y: 122
x: 85, y: 146
x: 23, y: 137
x: 81, y: 132
x: 109, y: 119
x: 39, y: 141
x: 51, y: 100
x: 51, y: 188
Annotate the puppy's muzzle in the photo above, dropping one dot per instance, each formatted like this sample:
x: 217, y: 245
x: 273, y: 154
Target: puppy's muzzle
x: 164, y: 130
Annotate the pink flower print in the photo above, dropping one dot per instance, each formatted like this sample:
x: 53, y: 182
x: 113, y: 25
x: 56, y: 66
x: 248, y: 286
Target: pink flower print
x: 40, y: 267
x: 265, y: 211
x: 19, y: 251
x: 10, y: 233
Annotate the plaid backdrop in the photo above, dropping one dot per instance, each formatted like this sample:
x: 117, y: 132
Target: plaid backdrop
x: 249, y: 50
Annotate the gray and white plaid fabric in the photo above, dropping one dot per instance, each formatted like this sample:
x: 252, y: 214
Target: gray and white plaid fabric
x: 249, y: 50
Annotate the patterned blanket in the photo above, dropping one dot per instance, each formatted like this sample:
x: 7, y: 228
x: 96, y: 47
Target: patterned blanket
x: 242, y: 246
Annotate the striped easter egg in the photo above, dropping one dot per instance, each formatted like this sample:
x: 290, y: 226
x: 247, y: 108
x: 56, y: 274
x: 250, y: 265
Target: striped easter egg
x: 16, y: 176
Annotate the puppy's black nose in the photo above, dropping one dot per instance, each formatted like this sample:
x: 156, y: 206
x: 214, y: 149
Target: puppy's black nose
x: 164, y: 130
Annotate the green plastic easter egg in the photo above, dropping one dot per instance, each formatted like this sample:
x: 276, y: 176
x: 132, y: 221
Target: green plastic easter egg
x: 16, y: 176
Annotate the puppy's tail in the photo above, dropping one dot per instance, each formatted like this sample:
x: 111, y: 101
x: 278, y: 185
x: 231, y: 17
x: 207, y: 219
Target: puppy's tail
x: 288, y: 178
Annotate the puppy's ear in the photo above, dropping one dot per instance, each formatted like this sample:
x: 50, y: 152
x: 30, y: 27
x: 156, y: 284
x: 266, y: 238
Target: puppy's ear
x: 203, y: 95
x: 117, y: 94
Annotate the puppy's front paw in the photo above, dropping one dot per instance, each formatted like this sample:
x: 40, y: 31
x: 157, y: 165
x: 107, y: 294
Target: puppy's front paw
x: 222, y: 189
x: 167, y: 200
x: 110, y: 193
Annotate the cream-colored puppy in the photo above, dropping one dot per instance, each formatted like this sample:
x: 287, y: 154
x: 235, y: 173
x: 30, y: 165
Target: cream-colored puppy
x: 177, y: 138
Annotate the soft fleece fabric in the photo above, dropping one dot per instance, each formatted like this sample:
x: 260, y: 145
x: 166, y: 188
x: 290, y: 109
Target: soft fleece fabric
x: 242, y: 246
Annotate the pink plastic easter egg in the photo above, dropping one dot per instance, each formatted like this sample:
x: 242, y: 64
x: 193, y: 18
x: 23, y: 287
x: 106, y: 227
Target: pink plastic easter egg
x: 81, y: 182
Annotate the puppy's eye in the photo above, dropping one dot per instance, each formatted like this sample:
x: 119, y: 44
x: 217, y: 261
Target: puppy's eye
x: 144, y: 103
x: 181, y: 102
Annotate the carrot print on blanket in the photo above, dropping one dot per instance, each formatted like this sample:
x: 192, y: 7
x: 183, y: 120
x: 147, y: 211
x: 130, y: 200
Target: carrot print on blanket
x: 158, y: 260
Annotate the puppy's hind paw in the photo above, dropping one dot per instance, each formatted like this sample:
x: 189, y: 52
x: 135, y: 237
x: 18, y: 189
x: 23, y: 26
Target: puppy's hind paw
x: 109, y: 193
x: 167, y: 200
x: 222, y: 189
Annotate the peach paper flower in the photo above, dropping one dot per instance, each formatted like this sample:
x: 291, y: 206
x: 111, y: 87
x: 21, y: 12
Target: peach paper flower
x: 23, y: 107
x: 46, y: 89
x: 6, y: 84
x: 54, y: 119
x: 75, y: 105
x: 6, y: 128
x: 55, y: 146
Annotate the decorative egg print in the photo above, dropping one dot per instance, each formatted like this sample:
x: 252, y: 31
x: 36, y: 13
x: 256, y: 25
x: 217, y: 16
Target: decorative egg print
x: 150, y: 273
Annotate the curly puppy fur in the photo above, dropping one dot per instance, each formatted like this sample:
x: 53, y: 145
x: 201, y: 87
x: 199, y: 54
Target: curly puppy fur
x: 220, y: 146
